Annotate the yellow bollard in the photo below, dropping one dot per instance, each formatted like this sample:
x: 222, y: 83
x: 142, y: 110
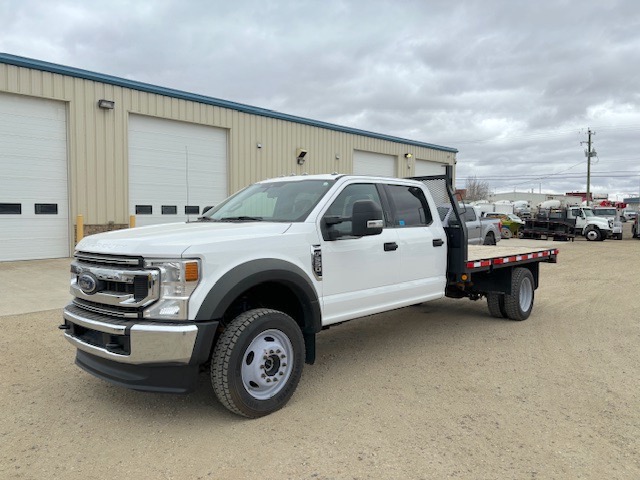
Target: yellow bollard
x: 132, y: 221
x: 79, y: 228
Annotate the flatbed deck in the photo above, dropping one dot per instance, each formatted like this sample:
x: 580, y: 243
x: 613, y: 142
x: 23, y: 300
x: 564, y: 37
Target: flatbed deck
x: 486, y: 257
x: 508, y: 248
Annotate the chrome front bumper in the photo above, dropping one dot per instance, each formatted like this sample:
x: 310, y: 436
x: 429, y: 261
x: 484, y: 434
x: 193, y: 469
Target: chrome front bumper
x: 149, y: 342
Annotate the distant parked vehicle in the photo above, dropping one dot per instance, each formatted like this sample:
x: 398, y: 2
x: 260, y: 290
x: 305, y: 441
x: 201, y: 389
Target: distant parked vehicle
x: 480, y: 230
x: 628, y: 214
x: 611, y: 214
x: 511, y: 223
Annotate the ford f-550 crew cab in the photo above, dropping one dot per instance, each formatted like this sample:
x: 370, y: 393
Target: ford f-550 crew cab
x: 244, y: 290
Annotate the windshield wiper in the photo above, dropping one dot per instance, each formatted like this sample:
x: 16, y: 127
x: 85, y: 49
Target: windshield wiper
x: 241, y: 219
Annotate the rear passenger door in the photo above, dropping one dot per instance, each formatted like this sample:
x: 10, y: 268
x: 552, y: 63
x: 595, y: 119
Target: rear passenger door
x: 421, y: 243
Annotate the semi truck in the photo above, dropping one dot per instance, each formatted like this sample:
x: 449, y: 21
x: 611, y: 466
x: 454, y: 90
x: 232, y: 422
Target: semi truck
x: 242, y: 293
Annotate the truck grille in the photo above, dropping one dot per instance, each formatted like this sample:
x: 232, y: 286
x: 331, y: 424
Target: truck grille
x: 113, y: 285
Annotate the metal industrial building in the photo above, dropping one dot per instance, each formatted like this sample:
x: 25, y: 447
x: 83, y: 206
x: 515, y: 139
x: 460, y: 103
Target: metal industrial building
x: 74, y: 142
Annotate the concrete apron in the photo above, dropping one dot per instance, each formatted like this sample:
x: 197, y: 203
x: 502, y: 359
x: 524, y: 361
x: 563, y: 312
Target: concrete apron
x: 34, y: 285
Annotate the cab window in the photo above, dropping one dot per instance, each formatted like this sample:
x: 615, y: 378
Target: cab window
x: 409, y: 206
x: 342, y: 206
x: 469, y: 215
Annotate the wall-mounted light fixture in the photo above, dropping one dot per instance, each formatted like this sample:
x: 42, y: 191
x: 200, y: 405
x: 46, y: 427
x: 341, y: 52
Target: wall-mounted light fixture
x: 408, y: 156
x: 301, y: 153
x: 337, y: 156
x: 106, y: 104
x: 259, y: 145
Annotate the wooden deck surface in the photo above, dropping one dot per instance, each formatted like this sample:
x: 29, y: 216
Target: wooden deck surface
x: 505, y: 248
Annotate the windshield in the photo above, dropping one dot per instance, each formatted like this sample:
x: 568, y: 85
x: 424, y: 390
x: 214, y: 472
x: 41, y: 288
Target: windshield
x: 587, y: 212
x: 285, y: 201
x: 607, y: 212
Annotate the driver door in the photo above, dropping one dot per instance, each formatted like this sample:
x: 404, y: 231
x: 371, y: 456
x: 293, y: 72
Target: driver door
x: 356, y: 270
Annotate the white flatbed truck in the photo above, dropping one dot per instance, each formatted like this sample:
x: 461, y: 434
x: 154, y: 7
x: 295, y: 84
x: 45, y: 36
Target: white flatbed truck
x: 243, y: 291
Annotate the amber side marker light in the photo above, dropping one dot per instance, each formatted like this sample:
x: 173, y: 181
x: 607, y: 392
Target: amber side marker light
x: 464, y: 277
x: 191, y: 272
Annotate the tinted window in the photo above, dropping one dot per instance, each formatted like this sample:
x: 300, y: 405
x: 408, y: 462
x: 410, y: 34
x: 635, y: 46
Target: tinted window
x: 469, y: 214
x: 169, y: 210
x: 342, y: 206
x: 10, y: 208
x: 192, y: 210
x: 409, y: 206
x: 46, y: 208
x: 144, y: 210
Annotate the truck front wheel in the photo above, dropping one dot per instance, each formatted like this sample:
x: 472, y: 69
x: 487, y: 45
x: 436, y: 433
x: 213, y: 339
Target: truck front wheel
x: 257, y: 362
x: 519, y: 303
x: 593, y: 235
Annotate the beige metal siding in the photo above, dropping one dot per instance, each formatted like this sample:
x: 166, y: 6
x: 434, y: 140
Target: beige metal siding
x: 98, y: 140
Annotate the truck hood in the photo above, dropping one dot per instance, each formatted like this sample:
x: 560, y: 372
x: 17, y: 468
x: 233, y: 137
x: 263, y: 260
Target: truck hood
x: 601, y: 222
x: 171, y: 240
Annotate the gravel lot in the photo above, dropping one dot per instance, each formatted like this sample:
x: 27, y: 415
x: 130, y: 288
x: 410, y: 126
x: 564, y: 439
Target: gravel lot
x: 440, y: 390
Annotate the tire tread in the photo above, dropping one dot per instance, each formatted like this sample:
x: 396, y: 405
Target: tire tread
x: 220, y: 361
x: 512, y: 302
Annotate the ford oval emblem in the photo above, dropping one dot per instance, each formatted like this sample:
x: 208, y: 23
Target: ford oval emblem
x: 88, y: 283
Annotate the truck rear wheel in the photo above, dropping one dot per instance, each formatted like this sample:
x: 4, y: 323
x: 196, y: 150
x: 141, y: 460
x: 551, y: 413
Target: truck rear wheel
x: 490, y: 239
x: 495, y: 302
x: 257, y: 362
x: 519, y: 303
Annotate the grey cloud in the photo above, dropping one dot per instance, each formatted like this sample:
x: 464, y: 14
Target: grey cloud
x: 510, y: 84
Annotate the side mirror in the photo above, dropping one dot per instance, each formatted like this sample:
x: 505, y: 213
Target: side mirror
x: 366, y: 218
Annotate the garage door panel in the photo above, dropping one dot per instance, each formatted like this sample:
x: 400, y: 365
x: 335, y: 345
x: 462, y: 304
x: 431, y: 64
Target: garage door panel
x: 175, y: 164
x: 370, y: 163
x: 426, y: 167
x: 33, y: 173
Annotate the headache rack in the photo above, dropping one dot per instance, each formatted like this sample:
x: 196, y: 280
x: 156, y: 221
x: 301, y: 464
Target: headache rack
x: 441, y: 189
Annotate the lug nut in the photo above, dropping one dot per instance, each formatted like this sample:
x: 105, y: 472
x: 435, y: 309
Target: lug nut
x: 263, y: 376
x: 275, y: 379
x: 271, y: 352
x: 283, y: 356
x: 281, y: 373
x: 284, y: 364
x: 278, y: 351
x: 268, y: 380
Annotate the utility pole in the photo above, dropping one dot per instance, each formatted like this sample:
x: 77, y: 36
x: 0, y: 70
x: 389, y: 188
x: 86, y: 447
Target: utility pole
x: 589, y: 153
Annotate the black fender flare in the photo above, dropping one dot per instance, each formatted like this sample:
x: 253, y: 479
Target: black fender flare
x: 247, y: 275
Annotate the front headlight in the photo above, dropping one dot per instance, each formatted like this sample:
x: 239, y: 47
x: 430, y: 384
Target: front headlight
x: 178, y: 280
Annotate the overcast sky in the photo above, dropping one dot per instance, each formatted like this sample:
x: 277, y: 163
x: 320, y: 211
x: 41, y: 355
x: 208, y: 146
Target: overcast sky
x: 513, y: 85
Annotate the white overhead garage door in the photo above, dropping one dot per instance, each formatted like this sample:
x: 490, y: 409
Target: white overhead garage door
x: 369, y: 163
x: 34, y: 201
x: 426, y: 167
x: 176, y: 169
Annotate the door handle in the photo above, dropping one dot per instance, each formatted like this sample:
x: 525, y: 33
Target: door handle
x: 438, y: 242
x: 390, y: 246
